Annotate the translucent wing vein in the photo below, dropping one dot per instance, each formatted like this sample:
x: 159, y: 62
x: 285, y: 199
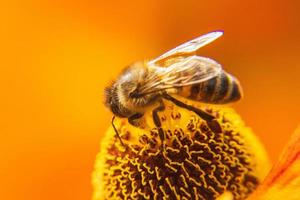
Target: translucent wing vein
x: 190, y: 46
x: 185, y: 71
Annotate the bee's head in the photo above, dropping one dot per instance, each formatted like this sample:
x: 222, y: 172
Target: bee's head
x: 123, y: 96
x: 112, y: 101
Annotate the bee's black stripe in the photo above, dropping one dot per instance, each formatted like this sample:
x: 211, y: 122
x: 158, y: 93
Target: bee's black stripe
x: 224, y: 85
x: 209, y: 89
x: 221, y: 88
x: 195, y: 89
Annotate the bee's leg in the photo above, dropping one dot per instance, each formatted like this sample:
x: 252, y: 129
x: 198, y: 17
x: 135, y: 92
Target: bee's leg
x: 157, y: 121
x: 204, y: 115
x: 132, y: 119
x: 210, y: 120
x: 116, y: 131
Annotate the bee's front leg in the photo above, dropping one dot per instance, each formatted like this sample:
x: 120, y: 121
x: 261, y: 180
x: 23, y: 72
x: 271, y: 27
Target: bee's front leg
x: 116, y: 131
x: 157, y: 121
x: 133, y: 119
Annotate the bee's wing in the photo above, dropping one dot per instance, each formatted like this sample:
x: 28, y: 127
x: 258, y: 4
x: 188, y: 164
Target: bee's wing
x: 185, y: 71
x: 190, y: 46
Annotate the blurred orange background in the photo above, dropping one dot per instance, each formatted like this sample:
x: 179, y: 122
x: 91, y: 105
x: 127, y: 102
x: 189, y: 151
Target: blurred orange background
x: 57, y: 57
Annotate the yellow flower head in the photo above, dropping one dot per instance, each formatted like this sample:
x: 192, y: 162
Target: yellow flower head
x: 197, y: 162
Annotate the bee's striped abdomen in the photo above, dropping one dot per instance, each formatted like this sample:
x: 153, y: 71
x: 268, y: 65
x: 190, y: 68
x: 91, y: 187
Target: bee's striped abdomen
x: 219, y: 90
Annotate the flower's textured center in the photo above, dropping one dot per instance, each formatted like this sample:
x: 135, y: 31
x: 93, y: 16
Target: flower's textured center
x: 196, y: 163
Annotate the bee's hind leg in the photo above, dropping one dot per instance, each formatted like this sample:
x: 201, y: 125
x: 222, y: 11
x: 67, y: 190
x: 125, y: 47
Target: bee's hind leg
x: 210, y: 120
x: 157, y: 122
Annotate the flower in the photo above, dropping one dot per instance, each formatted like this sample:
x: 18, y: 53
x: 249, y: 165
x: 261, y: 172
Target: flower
x: 197, y: 162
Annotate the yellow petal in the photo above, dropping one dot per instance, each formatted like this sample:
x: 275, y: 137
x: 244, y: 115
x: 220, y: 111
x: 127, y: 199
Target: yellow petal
x: 283, y: 182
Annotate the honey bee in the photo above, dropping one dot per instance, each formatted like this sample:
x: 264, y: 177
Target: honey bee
x: 179, y: 71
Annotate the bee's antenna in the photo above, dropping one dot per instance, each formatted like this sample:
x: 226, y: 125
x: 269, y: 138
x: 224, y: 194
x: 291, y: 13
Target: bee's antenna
x: 116, y: 131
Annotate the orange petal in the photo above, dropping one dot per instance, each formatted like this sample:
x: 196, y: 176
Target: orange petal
x: 283, y: 182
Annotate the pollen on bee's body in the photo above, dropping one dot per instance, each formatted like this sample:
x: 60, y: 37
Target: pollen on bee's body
x: 196, y: 163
